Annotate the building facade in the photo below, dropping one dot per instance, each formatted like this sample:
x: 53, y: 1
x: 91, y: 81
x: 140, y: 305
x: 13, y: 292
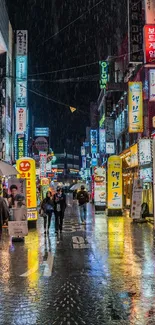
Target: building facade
x: 6, y: 86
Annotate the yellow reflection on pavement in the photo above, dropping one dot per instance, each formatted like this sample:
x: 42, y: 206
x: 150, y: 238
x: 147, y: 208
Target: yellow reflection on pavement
x: 32, y: 244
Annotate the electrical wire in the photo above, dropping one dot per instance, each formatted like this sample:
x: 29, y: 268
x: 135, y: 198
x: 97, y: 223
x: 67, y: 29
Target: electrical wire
x: 84, y: 65
x: 72, y: 22
x: 62, y: 70
x: 65, y: 80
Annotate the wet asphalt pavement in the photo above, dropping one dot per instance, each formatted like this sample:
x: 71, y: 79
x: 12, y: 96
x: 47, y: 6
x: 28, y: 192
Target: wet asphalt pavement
x: 101, y: 273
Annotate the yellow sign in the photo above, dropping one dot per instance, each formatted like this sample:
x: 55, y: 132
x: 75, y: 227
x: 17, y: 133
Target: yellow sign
x: 135, y: 103
x: 27, y: 169
x: 114, y: 182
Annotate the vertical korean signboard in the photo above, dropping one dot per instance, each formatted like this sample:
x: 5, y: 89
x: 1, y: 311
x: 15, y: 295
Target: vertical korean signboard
x: 149, y: 44
x: 152, y: 85
x: 100, y: 185
x: 114, y: 183
x: 27, y: 170
x: 21, y: 85
x: 135, y: 31
x: 135, y: 103
x: 43, y: 161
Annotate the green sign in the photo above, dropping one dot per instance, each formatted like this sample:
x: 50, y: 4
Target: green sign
x: 103, y: 65
x: 102, y: 121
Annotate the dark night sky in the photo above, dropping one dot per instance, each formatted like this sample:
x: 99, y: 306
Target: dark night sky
x: 83, y: 42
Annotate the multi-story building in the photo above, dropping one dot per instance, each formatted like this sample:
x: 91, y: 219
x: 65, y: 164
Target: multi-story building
x: 126, y: 104
x: 67, y: 166
x: 6, y: 86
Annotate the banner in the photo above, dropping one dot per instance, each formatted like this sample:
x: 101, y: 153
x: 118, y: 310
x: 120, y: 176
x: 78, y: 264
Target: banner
x: 149, y: 11
x: 149, y: 41
x: 26, y: 168
x: 100, y: 185
x: 137, y: 199
x: 114, y: 182
x: 135, y: 103
x: 135, y: 28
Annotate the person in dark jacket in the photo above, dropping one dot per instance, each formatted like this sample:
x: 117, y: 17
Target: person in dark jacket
x: 47, y: 208
x: 83, y: 199
x: 4, y: 214
x: 59, y: 209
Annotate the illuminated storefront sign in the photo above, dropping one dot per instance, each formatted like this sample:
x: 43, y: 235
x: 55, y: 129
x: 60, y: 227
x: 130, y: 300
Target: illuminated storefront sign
x: 41, y: 132
x: 20, y: 120
x: 100, y: 185
x: 135, y: 102
x: 86, y: 144
x: 21, y: 94
x: 102, y: 120
x: 152, y: 85
x: 84, y: 162
x: 149, y: 12
x: 22, y: 42
x: 26, y: 168
x: 43, y: 161
x: 134, y: 156
x: 110, y: 148
x: 114, y: 182
x: 94, y: 162
x: 146, y: 175
x: 102, y: 140
x: 20, y: 146
x: 149, y: 41
x: 94, y: 140
x: 144, y: 151
x: 83, y: 151
x: 21, y: 86
x: 21, y: 67
x: 103, y: 65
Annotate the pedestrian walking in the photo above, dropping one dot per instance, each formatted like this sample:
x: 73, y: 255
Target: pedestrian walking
x: 47, y: 210
x: 83, y: 199
x: 59, y: 209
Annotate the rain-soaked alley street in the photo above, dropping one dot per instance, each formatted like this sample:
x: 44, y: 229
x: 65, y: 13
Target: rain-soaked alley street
x: 101, y: 273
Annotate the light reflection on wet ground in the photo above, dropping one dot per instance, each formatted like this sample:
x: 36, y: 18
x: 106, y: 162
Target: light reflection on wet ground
x: 101, y: 273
